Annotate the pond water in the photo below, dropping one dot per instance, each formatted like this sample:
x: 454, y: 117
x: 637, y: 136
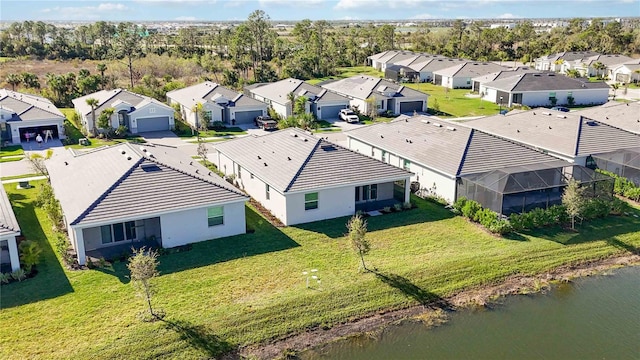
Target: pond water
x: 592, y: 318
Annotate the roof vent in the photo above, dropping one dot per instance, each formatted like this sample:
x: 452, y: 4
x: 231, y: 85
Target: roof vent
x: 546, y: 113
x: 426, y: 121
x: 549, y: 127
x: 293, y: 134
x: 197, y: 171
x: 451, y: 128
x: 381, y: 136
x: 148, y: 167
x: 128, y: 157
x: 437, y: 125
x: 328, y: 147
x: 123, y: 152
x: 561, y: 116
x: 591, y: 123
x: 289, y: 158
x: 66, y: 163
x: 142, y: 148
x: 259, y: 158
x: 265, y: 164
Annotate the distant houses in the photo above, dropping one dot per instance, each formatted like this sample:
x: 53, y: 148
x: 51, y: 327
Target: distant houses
x: 616, y: 67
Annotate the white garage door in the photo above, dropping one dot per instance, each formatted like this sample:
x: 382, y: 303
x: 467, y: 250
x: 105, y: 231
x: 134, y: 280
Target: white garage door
x: 160, y: 123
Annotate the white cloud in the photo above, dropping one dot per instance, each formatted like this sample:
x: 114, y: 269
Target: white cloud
x: 355, y: 4
x: 84, y: 12
x: 306, y: 3
x: 508, y: 16
x: 423, y: 17
x: 186, y: 18
x: 233, y: 3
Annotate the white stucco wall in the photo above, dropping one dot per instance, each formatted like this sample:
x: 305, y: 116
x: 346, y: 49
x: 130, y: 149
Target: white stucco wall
x: 189, y: 226
x: 147, y: 111
x: 582, y: 97
x: 17, y: 125
x: 332, y: 203
x: 445, y: 185
x: 462, y: 82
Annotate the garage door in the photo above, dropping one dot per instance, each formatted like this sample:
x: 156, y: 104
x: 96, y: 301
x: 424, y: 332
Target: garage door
x: 247, y: 117
x: 331, y: 112
x: 153, y: 124
x: 410, y: 107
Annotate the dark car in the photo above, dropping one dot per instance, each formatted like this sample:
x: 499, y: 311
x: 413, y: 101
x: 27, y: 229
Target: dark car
x: 560, y: 108
x: 266, y: 122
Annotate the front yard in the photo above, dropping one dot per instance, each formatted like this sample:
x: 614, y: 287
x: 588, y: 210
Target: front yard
x: 11, y: 153
x: 250, y: 288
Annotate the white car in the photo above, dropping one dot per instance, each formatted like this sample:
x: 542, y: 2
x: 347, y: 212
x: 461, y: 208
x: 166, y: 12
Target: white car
x: 349, y: 116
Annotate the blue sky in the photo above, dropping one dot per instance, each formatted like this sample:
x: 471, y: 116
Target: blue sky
x: 216, y: 10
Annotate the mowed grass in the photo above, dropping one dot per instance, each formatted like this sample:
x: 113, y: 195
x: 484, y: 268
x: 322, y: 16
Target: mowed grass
x: 249, y: 289
x: 454, y: 103
x: 11, y: 153
x: 345, y: 72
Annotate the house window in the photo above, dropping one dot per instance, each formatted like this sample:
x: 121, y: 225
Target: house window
x: 215, y: 216
x: 239, y: 172
x: 570, y: 94
x: 121, y: 118
x: 373, y: 194
x: 384, y: 156
x: 251, y: 175
x: 406, y: 164
x: 118, y: 232
x: 311, y: 201
x: 373, y: 152
x: 552, y: 94
x: 152, y: 110
x: 267, y: 191
x: 366, y: 192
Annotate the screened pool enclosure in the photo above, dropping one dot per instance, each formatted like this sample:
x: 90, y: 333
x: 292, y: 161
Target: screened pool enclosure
x: 523, y: 188
x: 625, y: 163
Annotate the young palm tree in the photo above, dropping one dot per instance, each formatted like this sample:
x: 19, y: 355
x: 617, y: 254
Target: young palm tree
x: 13, y: 80
x: 102, y: 67
x: 93, y: 103
x: 292, y: 99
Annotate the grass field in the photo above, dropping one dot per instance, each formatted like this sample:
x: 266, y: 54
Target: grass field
x: 454, y: 103
x: 11, y: 153
x: 250, y: 288
x: 345, y: 72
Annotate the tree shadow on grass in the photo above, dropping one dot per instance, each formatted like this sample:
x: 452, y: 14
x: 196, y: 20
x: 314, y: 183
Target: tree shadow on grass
x: 200, y: 338
x: 424, y: 211
x: 51, y: 280
x: 412, y: 290
x: 514, y: 236
x: 263, y: 238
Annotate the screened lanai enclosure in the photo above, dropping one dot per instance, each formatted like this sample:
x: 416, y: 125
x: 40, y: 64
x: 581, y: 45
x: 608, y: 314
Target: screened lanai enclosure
x: 625, y: 163
x: 523, y: 188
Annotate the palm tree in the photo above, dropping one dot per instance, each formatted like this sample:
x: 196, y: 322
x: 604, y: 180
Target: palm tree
x: 573, y: 73
x: 13, y: 80
x: 598, y: 66
x: 102, y: 67
x: 615, y: 87
x: 93, y: 103
x: 292, y: 99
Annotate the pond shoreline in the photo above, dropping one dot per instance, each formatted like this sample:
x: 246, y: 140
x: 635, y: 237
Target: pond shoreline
x: 479, y: 296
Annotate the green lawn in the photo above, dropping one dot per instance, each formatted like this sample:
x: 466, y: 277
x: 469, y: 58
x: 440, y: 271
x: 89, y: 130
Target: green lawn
x: 250, y: 288
x: 11, y: 153
x: 454, y: 102
x: 345, y: 72
x: 227, y: 131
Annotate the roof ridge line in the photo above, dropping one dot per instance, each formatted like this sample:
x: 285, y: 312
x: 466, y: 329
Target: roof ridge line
x: 464, y: 153
x: 306, y: 161
x: 107, y: 99
x: 109, y: 189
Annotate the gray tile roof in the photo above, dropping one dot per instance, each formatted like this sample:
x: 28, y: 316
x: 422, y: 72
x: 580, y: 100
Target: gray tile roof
x: 292, y: 160
x: 564, y: 133
x: 470, y: 69
x: 107, y: 99
x: 207, y: 90
x: 106, y: 184
x: 505, y: 74
x: 279, y: 90
x: 447, y: 147
x: 28, y: 107
x: 625, y: 116
x: 607, y: 60
x: 431, y: 65
x: 363, y: 86
x: 8, y: 222
x: 568, y: 55
x: 543, y: 82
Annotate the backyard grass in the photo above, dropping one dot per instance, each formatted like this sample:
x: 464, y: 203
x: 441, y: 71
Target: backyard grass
x: 454, y: 103
x: 19, y: 176
x: 345, y: 72
x: 11, y: 153
x: 250, y: 288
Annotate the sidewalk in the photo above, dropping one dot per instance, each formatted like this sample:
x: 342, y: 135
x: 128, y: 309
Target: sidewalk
x: 15, y: 168
x: 31, y: 178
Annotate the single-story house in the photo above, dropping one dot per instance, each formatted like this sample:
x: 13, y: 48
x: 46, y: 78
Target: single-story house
x: 625, y: 116
x: 223, y: 104
x: 323, y: 104
x: 459, y: 76
x: 622, y: 162
x: 441, y: 153
x: 123, y: 195
x: 9, y: 231
x: 427, y: 65
x: 365, y: 91
x: 565, y: 135
x: 395, y: 58
x: 588, y: 67
x: 375, y: 60
x: 138, y: 113
x: 544, y: 89
x: 553, y: 62
x: 24, y: 116
x: 626, y: 73
x: 400, y: 73
x: 483, y: 79
x: 302, y: 178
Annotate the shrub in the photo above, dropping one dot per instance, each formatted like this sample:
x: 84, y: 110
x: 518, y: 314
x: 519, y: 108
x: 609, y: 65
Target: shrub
x: 397, y: 207
x: 406, y: 206
x: 500, y: 227
x: 29, y: 254
x: 618, y: 206
x: 386, y: 209
x: 19, y: 275
x: 485, y: 217
x: 558, y: 214
x: 470, y: 209
x: 5, y: 278
x: 459, y: 204
x: 596, y: 208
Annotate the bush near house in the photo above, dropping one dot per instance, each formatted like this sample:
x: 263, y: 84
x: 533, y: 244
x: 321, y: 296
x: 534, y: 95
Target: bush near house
x: 623, y: 186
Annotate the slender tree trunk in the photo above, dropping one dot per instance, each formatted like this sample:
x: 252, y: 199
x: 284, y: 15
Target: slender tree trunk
x: 131, y: 71
x: 362, y: 260
x: 148, y: 296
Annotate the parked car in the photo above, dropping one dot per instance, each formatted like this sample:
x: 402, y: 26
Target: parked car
x: 349, y: 116
x: 560, y: 108
x: 266, y: 122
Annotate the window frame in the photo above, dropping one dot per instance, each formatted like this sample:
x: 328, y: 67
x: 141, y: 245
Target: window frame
x: 267, y: 191
x: 215, y: 219
x: 311, y: 204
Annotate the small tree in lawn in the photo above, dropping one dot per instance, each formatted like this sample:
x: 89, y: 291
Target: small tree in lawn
x: 143, y: 267
x: 202, y: 150
x: 573, y: 199
x: 104, y: 120
x: 37, y: 162
x: 357, y: 227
